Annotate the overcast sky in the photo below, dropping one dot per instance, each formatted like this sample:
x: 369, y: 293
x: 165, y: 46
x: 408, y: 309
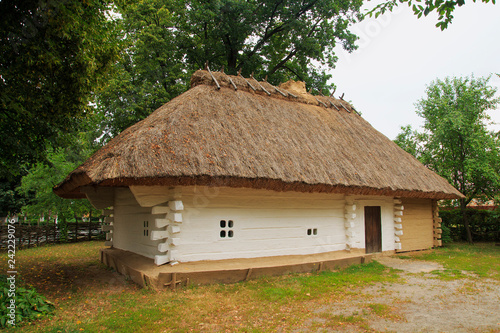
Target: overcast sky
x: 399, y: 55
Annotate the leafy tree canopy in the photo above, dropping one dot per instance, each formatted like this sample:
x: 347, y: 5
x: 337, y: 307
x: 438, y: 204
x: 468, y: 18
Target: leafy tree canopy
x: 37, y: 185
x: 455, y: 141
x: 444, y: 8
x: 52, y: 55
x: 169, y: 39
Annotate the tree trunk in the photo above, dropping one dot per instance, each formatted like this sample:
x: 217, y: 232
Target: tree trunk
x: 465, y: 220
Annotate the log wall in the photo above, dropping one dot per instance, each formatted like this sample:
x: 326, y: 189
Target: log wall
x: 418, y: 225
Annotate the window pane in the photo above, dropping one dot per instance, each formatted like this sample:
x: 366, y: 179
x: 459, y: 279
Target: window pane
x: 230, y: 233
x: 222, y: 223
x: 230, y: 223
x: 223, y: 233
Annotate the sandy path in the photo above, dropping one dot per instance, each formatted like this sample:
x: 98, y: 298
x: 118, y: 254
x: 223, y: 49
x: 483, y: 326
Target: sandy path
x: 420, y: 303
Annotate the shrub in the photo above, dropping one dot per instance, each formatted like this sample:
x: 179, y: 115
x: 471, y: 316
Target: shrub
x: 29, y: 305
x: 446, y: 235
x: 484, y: 225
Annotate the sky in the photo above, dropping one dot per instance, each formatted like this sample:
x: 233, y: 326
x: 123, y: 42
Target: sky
x: 399, y: 55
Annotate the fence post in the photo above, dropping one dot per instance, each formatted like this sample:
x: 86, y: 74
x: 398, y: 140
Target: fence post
x: 90, y: 225
x: 29, y: 235
x: 54, y: 231
x: 76, y: 228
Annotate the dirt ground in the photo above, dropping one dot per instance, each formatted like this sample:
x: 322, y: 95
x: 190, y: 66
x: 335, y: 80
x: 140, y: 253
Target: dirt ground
x: 420, y: 303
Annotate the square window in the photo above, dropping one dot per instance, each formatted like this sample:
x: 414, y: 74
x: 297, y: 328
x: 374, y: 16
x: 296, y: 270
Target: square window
x: 312, y: 231
x: 226, y: 227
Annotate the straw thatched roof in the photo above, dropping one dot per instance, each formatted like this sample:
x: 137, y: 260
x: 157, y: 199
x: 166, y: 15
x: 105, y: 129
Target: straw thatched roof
x: 251, y: 134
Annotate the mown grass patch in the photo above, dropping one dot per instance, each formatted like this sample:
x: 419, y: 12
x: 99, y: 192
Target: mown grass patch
x: 313, y: 285
x: 385, y: 311
x: 355, y: 321
x: 460, y: 259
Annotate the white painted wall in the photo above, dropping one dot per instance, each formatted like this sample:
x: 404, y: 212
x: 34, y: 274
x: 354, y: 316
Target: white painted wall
x: 266, y: 223
x: 128, y: 232
x: 387, y: 220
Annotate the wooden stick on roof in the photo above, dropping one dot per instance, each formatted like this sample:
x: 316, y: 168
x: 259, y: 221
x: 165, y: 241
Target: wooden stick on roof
x: 359, y: 114
x: 230, y: 80
x: 282, y: 93
x: 333, y: 92
x: 232, y: 83
x: 342, y: 104
x: 289, y: 93
x: 260, y: 85
x: 342, y: 98
x: 335, y: 106
x: 239, y: 73
x: 213, y: 77
x: 326, y: 106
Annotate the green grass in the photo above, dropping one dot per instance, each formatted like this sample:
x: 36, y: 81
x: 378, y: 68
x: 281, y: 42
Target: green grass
x: 459, y: 259
x: 307, y: 286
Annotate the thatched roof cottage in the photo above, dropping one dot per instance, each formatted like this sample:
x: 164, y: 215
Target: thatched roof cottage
x: 236, y: 168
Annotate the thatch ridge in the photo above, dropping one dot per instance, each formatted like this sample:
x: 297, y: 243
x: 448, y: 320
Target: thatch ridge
x: 247, y: 138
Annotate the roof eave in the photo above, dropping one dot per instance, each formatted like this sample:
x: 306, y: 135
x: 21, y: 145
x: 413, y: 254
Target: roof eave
x: 71, y: 187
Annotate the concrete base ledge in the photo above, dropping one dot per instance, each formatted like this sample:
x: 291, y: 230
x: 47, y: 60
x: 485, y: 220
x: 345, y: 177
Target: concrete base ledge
x: 144, y: 272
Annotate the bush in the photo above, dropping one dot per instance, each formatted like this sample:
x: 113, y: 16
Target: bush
x: 446, y: 235
x: 29, y: 305
x: 484, y: 225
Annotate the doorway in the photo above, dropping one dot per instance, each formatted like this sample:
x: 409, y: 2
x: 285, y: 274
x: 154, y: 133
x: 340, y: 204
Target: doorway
x: 373, y: 229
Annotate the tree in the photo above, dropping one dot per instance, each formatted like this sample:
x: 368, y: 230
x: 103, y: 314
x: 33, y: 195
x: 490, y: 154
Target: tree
x: 409, y: 140
x: 52, y: 56
x: 10, y: 201
x: 455, y: 142
x: 37, y: 185
x: 168, y: 39
x: 443, y: 8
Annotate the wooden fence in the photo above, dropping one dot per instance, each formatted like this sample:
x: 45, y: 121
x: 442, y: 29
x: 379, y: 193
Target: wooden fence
x: 34, y: 235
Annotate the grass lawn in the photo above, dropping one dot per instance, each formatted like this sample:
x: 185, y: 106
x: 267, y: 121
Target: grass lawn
x: 89, y: 297
x: 461, y: 260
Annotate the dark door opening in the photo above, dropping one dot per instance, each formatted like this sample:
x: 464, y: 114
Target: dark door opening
x: 373, y: 229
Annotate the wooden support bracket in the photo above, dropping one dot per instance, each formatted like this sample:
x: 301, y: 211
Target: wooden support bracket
x: 176, y: 205
x: 249, y: 273
x: 173, y: 282
x: 107, y: 212
x: 156, y: 210
x: 320, y: 267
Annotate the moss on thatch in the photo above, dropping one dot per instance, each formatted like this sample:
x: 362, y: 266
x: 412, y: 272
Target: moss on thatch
x: 274, y: 138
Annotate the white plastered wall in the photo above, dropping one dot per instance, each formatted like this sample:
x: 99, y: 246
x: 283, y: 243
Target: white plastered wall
x: 266, y: 223
x: 387, y: 220
x: 128, y: 231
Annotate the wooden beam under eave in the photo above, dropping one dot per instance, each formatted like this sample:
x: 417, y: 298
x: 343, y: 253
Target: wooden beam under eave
x: 149, y: 196
x: 99, y: 197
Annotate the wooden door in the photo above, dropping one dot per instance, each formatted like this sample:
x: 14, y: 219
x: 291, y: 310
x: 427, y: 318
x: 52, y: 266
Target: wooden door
x: 373, y: 229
